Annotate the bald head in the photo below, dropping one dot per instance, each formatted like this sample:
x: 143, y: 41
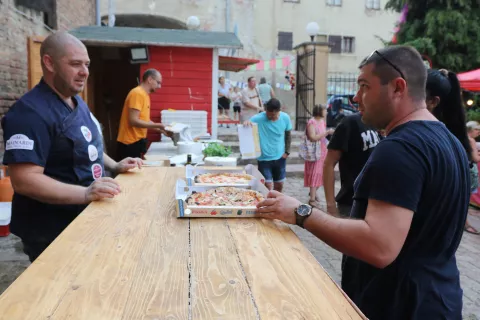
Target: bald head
x: 57, y: 44
x: 65, y: 63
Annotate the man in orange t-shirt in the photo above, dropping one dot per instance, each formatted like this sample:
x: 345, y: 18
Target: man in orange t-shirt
x: 135, y: 120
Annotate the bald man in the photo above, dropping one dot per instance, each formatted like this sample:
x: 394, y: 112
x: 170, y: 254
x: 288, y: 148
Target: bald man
x: 135, y: 119
x: 54, y: 148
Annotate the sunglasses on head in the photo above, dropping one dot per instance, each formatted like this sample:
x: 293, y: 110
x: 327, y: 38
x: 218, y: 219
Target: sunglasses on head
x: 388, y: 61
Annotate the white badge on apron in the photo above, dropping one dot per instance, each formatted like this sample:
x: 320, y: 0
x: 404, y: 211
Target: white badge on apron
x: 87, y: 134
x: 97, y: 171
x: 92, y: 152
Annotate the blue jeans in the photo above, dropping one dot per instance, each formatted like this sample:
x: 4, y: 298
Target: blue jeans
x: 274, y: 170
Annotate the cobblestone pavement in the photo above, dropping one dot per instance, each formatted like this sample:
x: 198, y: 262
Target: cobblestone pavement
x: 468, y: 253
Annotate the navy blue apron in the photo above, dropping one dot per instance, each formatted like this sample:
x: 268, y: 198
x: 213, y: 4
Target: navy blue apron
x: 84, y: 130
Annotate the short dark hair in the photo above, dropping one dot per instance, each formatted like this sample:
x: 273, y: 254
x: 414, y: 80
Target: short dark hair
x: 318, y: 111
x: 150, y: 73
x: 263, y: 80
x: 405, y: 58
x: 273, y: 105
x: 250, y: 78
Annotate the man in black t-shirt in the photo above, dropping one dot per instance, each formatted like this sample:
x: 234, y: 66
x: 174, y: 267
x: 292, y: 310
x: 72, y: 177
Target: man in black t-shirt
x: 410, y: 201
x: 351, y: 145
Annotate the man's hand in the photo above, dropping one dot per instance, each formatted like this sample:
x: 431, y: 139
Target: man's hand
x: 160, y: 126
x: 247, y: 123
x: 102, y: 188
x: 128, y: 164
x: 330, y: 131
x: 278, y: 206
x: 166, y: 133
x: 285, y: 156
x: 332, y: 209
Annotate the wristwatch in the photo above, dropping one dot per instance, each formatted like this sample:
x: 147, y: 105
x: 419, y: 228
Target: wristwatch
x: 302, y: 213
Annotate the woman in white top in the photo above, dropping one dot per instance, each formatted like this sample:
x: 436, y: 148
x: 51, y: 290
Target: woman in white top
x: 223, y: 98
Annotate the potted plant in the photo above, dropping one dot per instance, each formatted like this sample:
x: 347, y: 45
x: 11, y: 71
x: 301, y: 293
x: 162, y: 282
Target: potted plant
x: 216, y: 150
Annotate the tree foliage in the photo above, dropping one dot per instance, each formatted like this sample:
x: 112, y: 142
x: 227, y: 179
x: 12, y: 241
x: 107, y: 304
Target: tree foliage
x: 448, y: 31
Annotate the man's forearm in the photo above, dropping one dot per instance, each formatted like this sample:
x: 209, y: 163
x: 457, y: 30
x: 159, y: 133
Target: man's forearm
x: 145, y: 124
x: 349, y: 236
x: 47, y: 190
x: 288, y: 141
x: 329, y: 182
x: 109, y: 163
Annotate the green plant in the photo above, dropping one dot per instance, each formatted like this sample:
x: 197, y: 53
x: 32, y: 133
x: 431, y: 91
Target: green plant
x: 447, y: 31
x: 473, y: 115
x: 217, y: 150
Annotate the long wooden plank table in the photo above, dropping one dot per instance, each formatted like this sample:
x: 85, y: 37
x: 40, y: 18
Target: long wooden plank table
x: 131, y: 258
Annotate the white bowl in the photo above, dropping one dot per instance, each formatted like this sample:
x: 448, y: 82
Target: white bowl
x: 189, y: 147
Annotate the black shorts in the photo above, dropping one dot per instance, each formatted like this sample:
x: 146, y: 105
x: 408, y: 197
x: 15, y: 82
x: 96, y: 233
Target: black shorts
x: 134, y: 150
x: 223, y: 103
x: 236, y: 108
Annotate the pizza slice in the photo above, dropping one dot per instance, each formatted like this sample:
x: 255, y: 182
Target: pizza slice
x: 225, y: 197
x: 223, y: 178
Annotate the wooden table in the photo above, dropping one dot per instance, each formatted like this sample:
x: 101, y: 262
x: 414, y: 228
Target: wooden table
x: 131, y: 258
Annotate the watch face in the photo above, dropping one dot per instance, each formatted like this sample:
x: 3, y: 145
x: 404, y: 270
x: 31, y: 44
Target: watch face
x: 303, y: 210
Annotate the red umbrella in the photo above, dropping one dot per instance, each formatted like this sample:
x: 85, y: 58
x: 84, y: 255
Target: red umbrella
x: 470, y: 80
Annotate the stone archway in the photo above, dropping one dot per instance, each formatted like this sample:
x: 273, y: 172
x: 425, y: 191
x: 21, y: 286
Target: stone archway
x: 146, y: 21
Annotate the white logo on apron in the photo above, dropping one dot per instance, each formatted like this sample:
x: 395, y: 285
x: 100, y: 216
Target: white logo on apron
x: 97, y: 171
x: 19, y: 142
x: 92, y: 152
x: 87, y: 134
x: 97, y: 123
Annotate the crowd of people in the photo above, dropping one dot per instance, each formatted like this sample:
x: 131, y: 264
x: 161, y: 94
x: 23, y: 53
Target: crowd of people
x: 408, y: 166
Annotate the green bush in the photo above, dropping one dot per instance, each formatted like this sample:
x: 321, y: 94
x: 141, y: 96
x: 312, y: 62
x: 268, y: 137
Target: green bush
x: 473, y: 115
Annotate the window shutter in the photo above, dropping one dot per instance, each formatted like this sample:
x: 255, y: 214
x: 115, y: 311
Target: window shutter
x: 285, y: 41
x: 335, y: 44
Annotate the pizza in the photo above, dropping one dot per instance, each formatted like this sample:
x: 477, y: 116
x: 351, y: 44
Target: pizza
x: 223, y: 178
x: 225, y: 197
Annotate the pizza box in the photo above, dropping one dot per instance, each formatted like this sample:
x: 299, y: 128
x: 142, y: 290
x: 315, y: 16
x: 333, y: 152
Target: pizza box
x: 249, y: 141
x: 183, y: 191
x: 191, y: 172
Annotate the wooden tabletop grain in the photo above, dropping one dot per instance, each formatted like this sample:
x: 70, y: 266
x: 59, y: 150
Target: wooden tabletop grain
x: 131, y: 258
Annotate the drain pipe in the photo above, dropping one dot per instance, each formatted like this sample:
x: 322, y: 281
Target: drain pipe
x: 227, y: 15
x: 227, y: 26
x: 97, y: 13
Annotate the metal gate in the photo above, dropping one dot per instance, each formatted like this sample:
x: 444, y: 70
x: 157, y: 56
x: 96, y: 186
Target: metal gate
x: 341, y: 84
x: 305, y: 85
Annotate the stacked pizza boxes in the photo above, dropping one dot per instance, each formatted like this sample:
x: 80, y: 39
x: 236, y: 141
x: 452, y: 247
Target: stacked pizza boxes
x: 194, y: 183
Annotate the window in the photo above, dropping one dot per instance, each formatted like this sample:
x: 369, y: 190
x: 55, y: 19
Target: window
x: 48, y: 7
x: 285, y: 41
x: 373, y: 4
x: 339, y: 44
x: 348, y: 45
x: 335, y: 44
x: 336, y: 3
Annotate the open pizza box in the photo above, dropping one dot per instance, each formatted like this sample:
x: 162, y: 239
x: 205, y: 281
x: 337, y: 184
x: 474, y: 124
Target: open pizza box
x: 183, y: 191
x: 191, y: 172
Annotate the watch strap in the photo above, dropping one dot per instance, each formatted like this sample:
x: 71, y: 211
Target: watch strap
x: 300, y: 221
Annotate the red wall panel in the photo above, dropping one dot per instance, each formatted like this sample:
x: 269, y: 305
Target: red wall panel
x: 187, y: 81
